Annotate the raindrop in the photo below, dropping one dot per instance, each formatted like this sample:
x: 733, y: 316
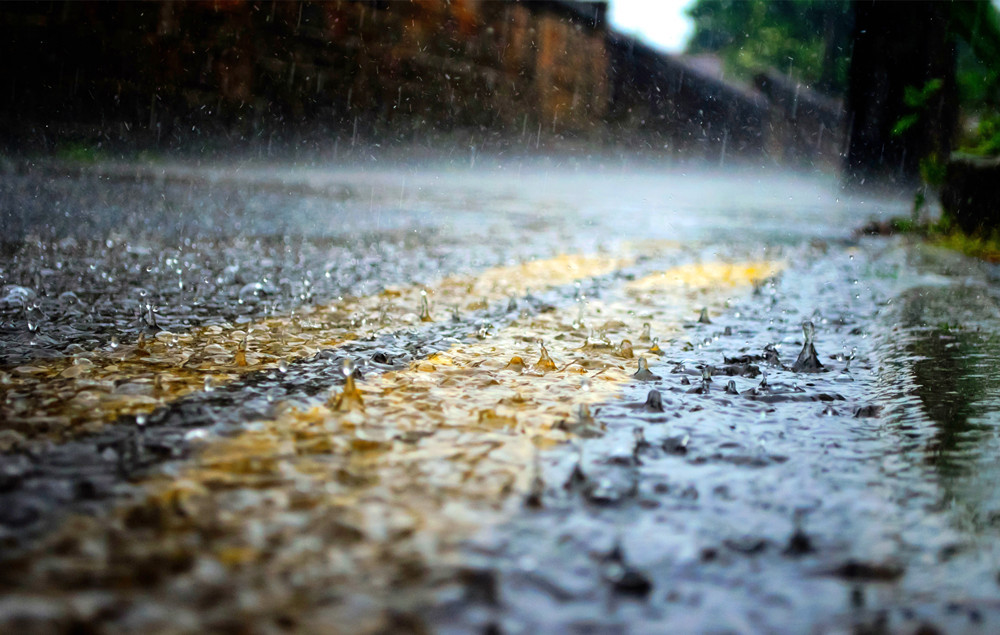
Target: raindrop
x: 350, y: 397
x: 808, y: 360
x: 731, y: 388
x: 347, y: 368
x: 654, y: 401
x: 140, y: 345
x: 425, y: 307
x: 241, y: 353
x: 515, y: 364
x: 655, y: 348
x: 808, y: 331
x: 703, y: 318
x: 644, y: 374
x: 625, y: 350
x: 646, y: 332
x: 578, y: 323
x: 282, y: 365
x: 209, y: 384
x: 141, y: 419
x: 544, y: 363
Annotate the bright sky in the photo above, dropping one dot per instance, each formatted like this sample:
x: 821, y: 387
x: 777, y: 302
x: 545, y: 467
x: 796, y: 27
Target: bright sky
x: 660, y: 23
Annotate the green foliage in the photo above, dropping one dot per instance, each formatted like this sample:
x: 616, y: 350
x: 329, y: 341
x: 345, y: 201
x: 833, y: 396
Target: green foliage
x: 905, y: 123
x: 932, y: 170
x: 983, y: 247
x: 809, y: 39
x: 977, y: 23
x: 80, y: 152
x: 943, y: 233
x: 985, y: 141
x: 916, y: 99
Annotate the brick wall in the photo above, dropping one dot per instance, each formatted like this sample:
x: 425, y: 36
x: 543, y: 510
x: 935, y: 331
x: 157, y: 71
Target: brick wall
x: 497, y: 75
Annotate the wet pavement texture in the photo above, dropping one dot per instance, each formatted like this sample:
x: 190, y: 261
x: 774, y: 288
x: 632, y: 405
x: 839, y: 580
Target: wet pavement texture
x: 815, y: 451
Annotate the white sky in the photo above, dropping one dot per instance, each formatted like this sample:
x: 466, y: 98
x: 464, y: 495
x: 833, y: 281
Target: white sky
x: 660, y: 23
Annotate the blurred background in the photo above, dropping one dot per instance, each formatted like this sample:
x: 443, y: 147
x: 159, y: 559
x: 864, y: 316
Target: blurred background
x: 771, y: 83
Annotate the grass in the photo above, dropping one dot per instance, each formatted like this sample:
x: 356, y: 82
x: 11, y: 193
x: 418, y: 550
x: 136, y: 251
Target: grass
x: 943, y: 233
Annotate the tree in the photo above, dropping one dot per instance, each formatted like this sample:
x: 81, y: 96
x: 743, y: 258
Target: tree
x: 902, y: 101
x: 808, y: 39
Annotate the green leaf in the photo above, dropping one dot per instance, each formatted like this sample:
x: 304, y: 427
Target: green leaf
x: 904, y: 124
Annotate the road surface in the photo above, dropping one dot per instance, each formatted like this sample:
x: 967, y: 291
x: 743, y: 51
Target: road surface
x: 529, y: 396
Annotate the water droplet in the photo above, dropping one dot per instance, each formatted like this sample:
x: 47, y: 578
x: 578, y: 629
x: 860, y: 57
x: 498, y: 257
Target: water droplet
x: 347, y: 368
x: 808, y: 331
x: 209, y: 383
x: 644, y: 374
x: 515, y: 364
x: 425, y: 307
x: 544, y: 363
x: 654, y: 401
x: 655, y: 348
x: 241, y: 353
x: 140, y: 419
x: 282, y: 365
x: 625, y: 350
x: 578, y: 323
x: 646, y: 332
x: 703, y: 318
x: 349, y: 399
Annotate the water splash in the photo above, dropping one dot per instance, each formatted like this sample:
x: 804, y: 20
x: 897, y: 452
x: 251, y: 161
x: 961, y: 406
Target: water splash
x: 545, y: 362
x: 349, y: 399
x: 654, y: 401
x: 655, y: 349
x: 646, y: 332
x: 240, y: 358
x: 808, y: 360
x: 625, y: 350
x: 425, y: 307
x: 516, y: 364
x: 644, y: 374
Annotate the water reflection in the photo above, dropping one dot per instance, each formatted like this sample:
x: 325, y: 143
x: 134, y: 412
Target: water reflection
x: 941, y: 362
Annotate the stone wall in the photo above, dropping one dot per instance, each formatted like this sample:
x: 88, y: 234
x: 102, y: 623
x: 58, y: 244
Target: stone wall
x: 518, y: 76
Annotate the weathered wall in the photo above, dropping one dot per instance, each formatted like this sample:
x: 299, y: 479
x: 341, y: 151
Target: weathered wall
x: 376, y: 69
x: 491, y: 74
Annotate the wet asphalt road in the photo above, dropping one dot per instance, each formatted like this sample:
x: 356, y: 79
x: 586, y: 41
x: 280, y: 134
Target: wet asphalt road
x: 858, y: 498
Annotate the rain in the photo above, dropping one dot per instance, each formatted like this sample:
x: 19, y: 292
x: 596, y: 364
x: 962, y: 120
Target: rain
x: 504, y: 317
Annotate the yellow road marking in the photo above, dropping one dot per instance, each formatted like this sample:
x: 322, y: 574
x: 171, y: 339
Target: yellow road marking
x: 60, y: 398
x: 317, y: 511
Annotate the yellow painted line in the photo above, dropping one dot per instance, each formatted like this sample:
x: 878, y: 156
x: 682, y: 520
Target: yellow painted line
x: 57, y: 399
x: 333, y: 512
